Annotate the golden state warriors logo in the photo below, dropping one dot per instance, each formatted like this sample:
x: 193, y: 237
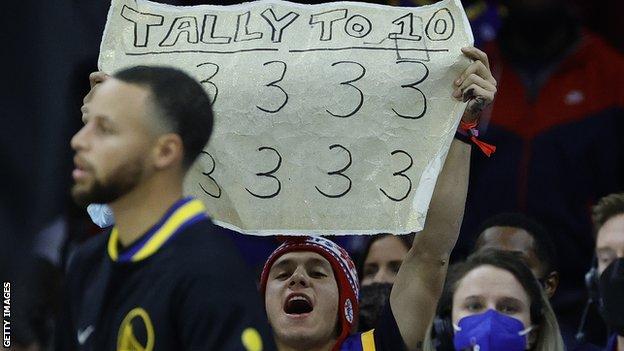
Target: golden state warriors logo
x: 136, y: 332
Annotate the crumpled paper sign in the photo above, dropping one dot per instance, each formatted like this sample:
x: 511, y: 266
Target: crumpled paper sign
x: 329, y: 119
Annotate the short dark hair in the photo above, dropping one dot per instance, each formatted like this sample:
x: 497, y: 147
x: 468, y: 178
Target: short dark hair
x: 180, y: 101
x: 606, y: 208
x: 544, y: 246
x: 510, y: 261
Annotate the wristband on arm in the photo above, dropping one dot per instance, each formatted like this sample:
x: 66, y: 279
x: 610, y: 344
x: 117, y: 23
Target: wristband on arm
x: 468, y: 133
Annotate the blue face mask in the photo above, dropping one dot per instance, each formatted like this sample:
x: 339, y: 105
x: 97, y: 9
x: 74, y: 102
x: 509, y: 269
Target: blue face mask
x: 490, y: 331
x: 101, y: 215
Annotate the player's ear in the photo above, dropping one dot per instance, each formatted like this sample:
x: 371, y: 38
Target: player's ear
x: 168, y: 151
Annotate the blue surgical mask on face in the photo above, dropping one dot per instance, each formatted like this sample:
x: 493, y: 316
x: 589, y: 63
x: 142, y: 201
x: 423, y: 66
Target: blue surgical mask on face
x: 490, y: 331
x: 101, y: 215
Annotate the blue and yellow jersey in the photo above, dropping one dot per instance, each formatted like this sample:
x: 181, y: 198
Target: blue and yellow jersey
x: 360, y: 342
x: 385, y: 337
x: 180, y: 286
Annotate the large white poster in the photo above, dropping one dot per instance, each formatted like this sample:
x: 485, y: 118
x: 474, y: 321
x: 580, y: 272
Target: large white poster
x: 330, y: 119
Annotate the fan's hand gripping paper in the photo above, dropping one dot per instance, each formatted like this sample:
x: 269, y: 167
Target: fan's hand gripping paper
x: 330, y: 119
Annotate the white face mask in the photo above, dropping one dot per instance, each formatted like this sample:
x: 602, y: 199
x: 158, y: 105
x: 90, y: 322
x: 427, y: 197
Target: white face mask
x: 101, y: 215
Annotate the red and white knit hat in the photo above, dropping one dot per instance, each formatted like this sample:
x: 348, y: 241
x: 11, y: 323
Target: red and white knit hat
x: 344, y: 272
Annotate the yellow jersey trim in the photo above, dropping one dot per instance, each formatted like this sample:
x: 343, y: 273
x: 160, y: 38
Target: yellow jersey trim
x: 368, y: 340
x: 161, y: 233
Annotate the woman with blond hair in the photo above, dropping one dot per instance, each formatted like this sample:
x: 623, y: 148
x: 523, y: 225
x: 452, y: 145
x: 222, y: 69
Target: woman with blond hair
x: 492, y: 301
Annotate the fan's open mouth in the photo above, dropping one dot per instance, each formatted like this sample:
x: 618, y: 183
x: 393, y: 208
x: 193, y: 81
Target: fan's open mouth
x: 298, y: 304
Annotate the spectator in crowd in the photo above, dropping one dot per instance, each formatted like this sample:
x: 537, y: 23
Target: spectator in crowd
x: 608, y: 218
x: 492, y: 301
x: 310, y: 285
x: 383, y: 256
x: 519, y: 233
x: 556, y: 123
x: 155, y: 281
x: 380, y: 264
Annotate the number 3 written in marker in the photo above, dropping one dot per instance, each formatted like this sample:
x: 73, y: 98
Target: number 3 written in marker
x: 349, y: 83
x: 339, y: 173
x: 269, y: 174
x: 209, y: 175
x: 401, y: 173
x: 208, y: 80
x: 274, y: 84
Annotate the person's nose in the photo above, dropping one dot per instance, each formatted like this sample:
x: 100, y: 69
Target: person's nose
x: 80, y: 140
x: 299, y: 277
x: 383, y: 275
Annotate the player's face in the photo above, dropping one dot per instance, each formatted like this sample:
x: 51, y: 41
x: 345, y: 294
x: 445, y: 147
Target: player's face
x: 610, y: 242
x: 383, y: 260
x: 302, y: 300
x: 112, y: 146
x: 488, y: 287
